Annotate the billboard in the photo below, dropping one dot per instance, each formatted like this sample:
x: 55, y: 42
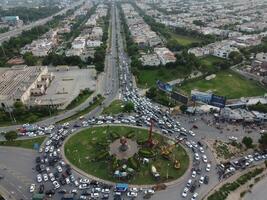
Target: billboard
x: 201, y: 96
x: 164, y: 86
x: 218, y: 101
x: 179, y: 97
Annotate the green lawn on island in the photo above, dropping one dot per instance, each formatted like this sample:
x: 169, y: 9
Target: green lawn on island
x: 184, y: 40
x: 83, y: 147
x: 27, y: 143
x: 148, y: 77
x: 208, y: 63
x: 226, y: 83
x: 114, y: 108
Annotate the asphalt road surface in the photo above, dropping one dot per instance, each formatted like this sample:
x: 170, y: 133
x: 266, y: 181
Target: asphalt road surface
x: 16, y: 167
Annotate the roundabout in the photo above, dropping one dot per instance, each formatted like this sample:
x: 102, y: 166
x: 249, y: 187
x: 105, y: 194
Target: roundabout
x: 123, y: 154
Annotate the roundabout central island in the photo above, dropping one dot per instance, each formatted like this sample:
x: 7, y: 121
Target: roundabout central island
x: 122, y: 154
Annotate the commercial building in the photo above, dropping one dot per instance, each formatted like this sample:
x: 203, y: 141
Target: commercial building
x: 18, y: 83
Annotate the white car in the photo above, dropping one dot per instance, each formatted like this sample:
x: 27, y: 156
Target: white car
x: 208, y: 167
x: 149, y: 191
x: 201, y: 180
x: 184, y: 194
x: 32, y: 188
x: 194, y: 197
x: 67, y: 181
x: 197, y: 156
x: 84, y: 180
x: 59, y: 169
x: 204, y: 158
x: 39, y: 178
x: 201, y: 149
x: 194, y: 174
x: 56, y: 184
x: 133, y: 190
x: 95, y: 195
x: 189, y: 182
x: 45, y: 176
x: 233, y: 138
x: 131, y: 194
x: 191, y: 133
x: 76, y: 183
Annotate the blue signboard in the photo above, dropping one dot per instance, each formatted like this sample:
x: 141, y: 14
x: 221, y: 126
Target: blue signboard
x: 164, y: 86
x: 201, y: 96
x: 218, y: 101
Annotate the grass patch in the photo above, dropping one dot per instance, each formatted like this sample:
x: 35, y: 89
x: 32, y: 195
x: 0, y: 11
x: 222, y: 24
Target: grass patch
x: 27, y: 143
x: 88, y: 109
x: 148, y: 77
x: 209, y: 63
x: 226, y: 83
x: 184, y: 40
x: 81, y: 150
x: 114, y: 108
x: 85, y: 94
x: 224, y: 191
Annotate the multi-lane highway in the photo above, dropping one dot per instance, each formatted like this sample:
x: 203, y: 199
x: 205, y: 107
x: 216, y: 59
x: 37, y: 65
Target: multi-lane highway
x: 7, y: 35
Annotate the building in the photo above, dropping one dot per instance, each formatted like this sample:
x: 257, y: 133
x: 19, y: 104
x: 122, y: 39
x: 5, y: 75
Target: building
x: 93, y: 43
x: 150, y: 60
x: 18, y: 83
x: 165, y: 55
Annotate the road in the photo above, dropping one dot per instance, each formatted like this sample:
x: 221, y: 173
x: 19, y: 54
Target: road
x: 258, y: 192
x: 18, y: 173
x: 7, y: 35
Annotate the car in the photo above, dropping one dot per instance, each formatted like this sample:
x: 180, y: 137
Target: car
x: 83, y: 197
x: 39, y: 178
x: 74, y: 191
x: 51, y: 176
x: 45, y: 176
x: 131, y: 194
x: 194, y: 174
x: 201, y: 180
x: 204, y: 158
x: 67, y: 180
x: 133, y: 190
x: 32, y: 188
x: 41, y: 189
x: 84, y: 180
x: 76, y: 183
x: 184, y: 194
x: 95, y: 195
x: 62, y: 191
x: 189, y: 183
x: 201, y: 149
x: 194, y: 197
x: 106, y: 191
x: 59, y: 169
x: 232, y: 138
x: 149, y: 191
x: 191, y: 133
x: 208, y: 167
x: 197, y: 156
x: 206, y: 180
x: 56, y: 184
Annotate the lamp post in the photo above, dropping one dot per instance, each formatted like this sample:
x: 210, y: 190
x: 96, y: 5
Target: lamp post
x: 167, y: 174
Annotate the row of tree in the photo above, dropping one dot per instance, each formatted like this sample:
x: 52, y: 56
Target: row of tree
x: 29, y: 14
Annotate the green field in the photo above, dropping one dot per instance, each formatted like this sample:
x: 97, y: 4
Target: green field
x: 208, y: 63
x: 81, y: 150
x: 148, y: 77
x: 114, y: 108
x: 27, y: 143
x: 226, y: 83
x: 82, y: 97
x: 184, y: 40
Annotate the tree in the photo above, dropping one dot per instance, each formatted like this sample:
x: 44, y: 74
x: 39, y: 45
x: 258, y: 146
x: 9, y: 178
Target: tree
x: 247, y: 141
x: 29, y: 59
x: 11, y: 135
x: 128, y: 107
x: 183, y: 108
x: 151, y: 93
x: 263, y: 140
x: 235, y: 57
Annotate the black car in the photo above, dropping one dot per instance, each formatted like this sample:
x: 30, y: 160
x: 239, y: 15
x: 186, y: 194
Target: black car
x: 50, y: 192
x: 206, y: 180
x: 38, y: 159
x: 62, y: 191
x: 41, y: 189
